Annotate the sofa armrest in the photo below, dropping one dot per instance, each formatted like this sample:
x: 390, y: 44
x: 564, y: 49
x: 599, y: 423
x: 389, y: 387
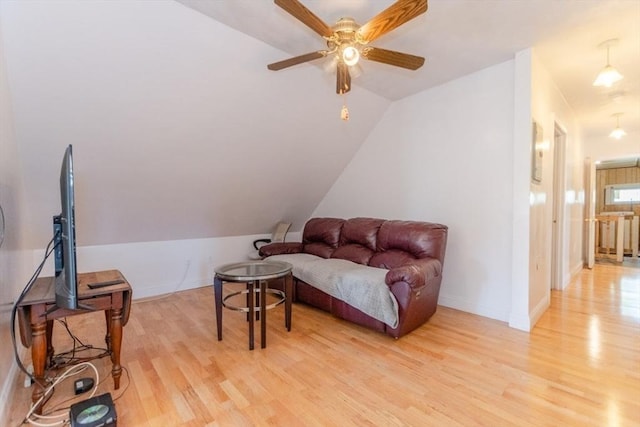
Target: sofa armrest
x: 416, y: 286
x: 415, y: 274
x: 280, y: 248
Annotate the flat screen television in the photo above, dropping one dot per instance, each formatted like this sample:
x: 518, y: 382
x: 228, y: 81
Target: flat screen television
x: 66, y: 281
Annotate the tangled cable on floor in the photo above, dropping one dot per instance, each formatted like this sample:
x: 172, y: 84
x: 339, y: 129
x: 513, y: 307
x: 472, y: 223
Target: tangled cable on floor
x: 61, y: 419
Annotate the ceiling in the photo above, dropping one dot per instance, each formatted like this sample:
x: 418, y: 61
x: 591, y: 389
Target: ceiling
x: 458, y: 37
x: 171, y: 111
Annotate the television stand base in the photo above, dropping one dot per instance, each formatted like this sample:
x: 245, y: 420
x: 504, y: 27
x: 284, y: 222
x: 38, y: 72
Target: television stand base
x: 36, y: 329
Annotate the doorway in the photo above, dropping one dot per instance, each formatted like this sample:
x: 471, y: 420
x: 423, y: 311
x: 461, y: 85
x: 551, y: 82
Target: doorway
x: 615, y: 201
x: 557, y: 223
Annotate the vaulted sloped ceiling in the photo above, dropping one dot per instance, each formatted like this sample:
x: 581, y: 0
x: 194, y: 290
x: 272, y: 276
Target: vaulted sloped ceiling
x: 459, y: 37
x: 178, y: 129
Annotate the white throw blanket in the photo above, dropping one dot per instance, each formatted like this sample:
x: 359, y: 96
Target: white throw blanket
x: 358, y: 285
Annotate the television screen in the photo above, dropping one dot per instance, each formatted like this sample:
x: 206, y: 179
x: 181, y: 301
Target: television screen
x: 66, y: 284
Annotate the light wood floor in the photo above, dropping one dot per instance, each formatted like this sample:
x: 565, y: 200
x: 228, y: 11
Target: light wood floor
x: 579, y: 366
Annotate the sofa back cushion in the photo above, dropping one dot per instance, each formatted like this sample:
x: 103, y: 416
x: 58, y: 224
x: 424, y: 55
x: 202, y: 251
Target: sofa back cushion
x: 358, y: 240
x: 400, y: 242
x: 321, y: 236
x: 374, y: 242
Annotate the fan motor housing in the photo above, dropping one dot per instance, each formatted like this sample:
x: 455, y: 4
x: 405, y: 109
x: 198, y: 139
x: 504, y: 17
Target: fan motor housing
x: 345, y: 29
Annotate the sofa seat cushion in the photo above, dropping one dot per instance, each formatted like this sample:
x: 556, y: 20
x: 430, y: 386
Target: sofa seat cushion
x: 360, y: 286
x: 354, y: 253
x: 298, y: 261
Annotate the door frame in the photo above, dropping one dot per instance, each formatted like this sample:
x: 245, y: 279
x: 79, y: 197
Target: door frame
x: 558, y: 207
x: 590, y: 212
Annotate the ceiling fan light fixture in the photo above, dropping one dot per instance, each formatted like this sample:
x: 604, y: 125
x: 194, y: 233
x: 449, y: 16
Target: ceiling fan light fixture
x: 608, y: 75
x: 331, y: 65
x: 355, y: 71
x: 350, y: 55
x: 347, y: 41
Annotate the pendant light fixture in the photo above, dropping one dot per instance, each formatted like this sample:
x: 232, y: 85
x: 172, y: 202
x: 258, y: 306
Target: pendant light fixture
x: 608, y: 75
x: 618, y: 132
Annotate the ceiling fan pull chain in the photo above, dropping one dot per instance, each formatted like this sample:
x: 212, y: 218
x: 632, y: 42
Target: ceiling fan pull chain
x: 344, y: 113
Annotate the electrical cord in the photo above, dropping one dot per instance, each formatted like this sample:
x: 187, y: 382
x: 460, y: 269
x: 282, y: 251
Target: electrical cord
x: 104, y: 377
x: 74, y: 370
x: 124, y: 368
x: 48, y: 251
x: 70, y: 357
x: 59, y: 407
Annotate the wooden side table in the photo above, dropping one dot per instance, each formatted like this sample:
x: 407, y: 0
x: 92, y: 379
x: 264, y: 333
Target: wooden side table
x: 36, y: 324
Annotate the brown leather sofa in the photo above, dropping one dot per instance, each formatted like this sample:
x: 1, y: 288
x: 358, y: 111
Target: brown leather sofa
x: 411, y: 251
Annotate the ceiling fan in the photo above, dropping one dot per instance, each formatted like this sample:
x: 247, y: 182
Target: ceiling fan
x: 350, y: 41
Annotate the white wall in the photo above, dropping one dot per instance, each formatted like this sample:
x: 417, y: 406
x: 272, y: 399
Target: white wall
x: 13, y: 257
x: 460, y: 154
x: 548, y: 109
x: 165, y: 148
x: 445, y: 155
x: 550, y: 106
x: 521, y: 178
x: 179, y: 129
x: 155, y: 268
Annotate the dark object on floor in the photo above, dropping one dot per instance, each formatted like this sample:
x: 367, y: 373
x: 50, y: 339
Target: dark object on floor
x: 83, y: 385
x: 99, y: 411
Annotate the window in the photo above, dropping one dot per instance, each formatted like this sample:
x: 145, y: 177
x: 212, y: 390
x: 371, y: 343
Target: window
x: 622, y: 194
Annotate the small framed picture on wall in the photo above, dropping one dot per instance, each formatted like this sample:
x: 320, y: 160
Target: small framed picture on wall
x: 536, y: 153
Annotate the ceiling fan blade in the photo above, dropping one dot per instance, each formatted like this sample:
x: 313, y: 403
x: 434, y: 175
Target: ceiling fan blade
x: 297, y: 60
x: 304, y: 15
x: 390, y: 18
x: 391, y: 57
x: 343, y: 83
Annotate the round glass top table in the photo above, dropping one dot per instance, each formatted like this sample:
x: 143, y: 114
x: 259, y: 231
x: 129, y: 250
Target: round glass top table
x: 256, y: 274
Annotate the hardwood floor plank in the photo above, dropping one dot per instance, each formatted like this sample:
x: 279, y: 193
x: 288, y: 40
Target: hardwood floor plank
x: 580, y: 365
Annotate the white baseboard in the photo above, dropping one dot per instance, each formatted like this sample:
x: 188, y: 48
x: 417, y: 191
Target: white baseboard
x: 5, y: 393
x: 473, y: 307
x: 576, y: 270
x: 526, y: 322
x: 153, y: 291
x: 539, y: 310
x: 521, y: 323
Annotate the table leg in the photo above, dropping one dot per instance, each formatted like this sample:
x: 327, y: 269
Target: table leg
x: 217, y: 289
x: 49, y: 338
x: 248, y: 286
x: 288, y: 297
x: 116, y: 343
x: 263, y: 314
x: 107, y: 337
x: 38, y: 358
x: 251, y: 307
